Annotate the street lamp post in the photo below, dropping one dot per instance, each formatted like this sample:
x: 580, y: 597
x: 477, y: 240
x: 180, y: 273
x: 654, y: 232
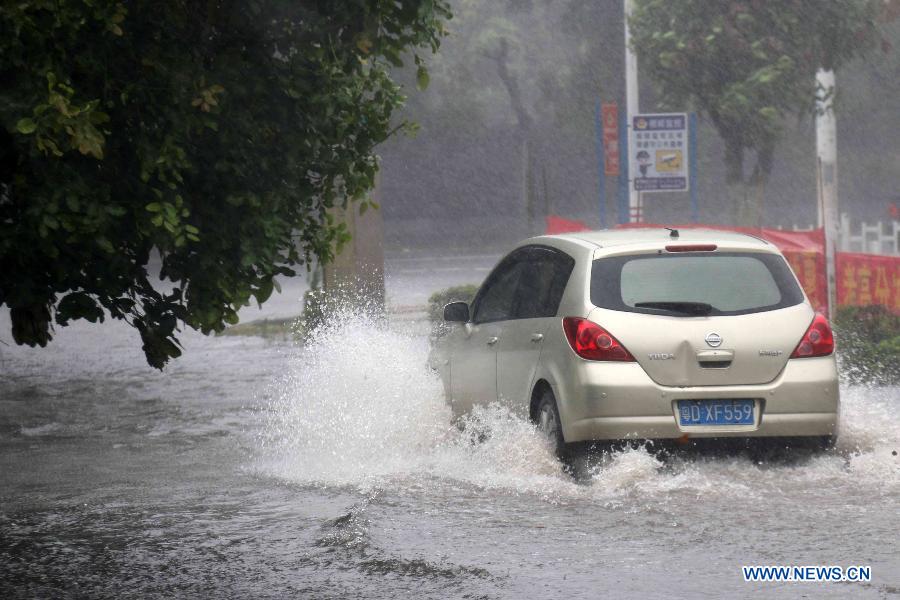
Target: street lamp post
x: 826, y: 176
x: 632, y: 108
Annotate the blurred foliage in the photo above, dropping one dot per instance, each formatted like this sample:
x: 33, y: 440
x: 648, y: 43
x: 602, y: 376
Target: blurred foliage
x: 746, y: 65
x: 458, y: 293
x: 216, y: 133
x: 524, y: 70
x: 868, y: 343
x: 551, y: 56
x: 565, y: 56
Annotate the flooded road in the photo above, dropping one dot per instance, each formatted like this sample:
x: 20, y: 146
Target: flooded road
x: 260, y: 469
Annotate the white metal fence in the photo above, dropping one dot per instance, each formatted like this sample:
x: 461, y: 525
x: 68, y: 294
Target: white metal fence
x: 871, y: 238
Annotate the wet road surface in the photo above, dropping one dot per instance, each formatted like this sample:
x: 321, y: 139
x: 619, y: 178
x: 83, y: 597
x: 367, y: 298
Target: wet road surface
x: 261, y: 469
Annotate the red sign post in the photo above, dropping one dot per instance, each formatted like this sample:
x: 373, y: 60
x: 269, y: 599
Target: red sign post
x: 610, y: 117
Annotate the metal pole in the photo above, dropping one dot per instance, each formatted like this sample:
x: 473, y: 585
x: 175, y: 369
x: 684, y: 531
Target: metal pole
x: 623, y: 215
x: 692, y: 166
x: 632, y: 104
x: 601, y: 169
x: 826, y: 151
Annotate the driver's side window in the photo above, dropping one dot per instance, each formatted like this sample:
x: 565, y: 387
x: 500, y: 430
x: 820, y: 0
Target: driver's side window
x: 495, y: 300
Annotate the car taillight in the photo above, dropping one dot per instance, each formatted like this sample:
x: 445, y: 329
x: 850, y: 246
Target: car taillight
x: 592, y: 342
x: 817, y: 341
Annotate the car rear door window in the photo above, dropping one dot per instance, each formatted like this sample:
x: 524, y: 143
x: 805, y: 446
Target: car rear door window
x: 495, y: 300
x: 527, y: 284
x: 542, y: 283
x: 730, y: 283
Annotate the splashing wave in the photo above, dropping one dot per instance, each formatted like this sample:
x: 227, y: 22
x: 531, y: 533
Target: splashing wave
x: 360, y: 408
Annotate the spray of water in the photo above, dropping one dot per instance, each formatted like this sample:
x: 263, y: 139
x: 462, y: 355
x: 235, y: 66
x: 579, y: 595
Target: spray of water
x: 360, y: 408
x: 356, y: 408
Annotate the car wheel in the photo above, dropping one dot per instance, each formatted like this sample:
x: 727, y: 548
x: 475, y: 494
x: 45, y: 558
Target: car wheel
x: 827, y: 442
x: 548, y: 423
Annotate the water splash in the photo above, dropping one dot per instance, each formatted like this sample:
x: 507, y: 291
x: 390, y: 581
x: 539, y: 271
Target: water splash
x: 360, y: 408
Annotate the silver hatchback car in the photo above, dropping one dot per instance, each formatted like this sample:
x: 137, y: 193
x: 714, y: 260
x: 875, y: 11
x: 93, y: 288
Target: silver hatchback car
x: 645, y: 334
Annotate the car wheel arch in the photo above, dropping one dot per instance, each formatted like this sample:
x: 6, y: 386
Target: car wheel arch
x: 537, y: 392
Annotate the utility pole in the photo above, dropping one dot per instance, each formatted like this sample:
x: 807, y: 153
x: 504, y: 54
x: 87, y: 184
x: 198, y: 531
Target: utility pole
x: 632, y: 108
x: 826, y: 177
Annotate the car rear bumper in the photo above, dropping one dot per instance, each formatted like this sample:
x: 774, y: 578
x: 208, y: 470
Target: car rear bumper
x: 607, y: 401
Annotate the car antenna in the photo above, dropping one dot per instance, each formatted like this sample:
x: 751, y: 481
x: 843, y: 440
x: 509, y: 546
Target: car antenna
x: 673, y: 233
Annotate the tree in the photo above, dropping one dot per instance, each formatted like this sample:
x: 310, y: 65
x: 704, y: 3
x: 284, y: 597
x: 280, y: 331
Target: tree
x: 746, y: 65
x: 215, y: 133
x: 526, y: 71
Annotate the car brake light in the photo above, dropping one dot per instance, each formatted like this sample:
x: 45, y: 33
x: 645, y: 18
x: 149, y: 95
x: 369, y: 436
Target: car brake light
x: 691, y: 248
x: 817, y: 341
x: 592, y: 342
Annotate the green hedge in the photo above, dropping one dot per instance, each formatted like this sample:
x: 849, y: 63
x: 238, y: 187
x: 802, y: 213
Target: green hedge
x: 868, y: 342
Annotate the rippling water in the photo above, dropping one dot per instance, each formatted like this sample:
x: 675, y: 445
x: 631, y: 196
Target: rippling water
x: 258, y: 469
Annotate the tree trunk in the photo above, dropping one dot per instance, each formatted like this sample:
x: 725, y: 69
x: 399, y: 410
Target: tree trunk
x: 746, y: 206
x: 528, y: 185
x: 356, y: 276
x: 747, y: 196
x: 517, y: 103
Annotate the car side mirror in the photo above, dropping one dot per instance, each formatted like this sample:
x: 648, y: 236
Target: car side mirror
x: 456, y: 312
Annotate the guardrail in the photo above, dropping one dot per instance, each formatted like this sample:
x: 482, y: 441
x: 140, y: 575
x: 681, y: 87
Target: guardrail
x: 881, y: 237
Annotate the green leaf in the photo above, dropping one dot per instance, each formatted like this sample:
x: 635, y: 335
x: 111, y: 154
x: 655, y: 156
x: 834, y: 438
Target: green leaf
x: 264, y: 292
x: 26, y: 126
x: 422, y: 78
x: 106, y: 245
x: 154, y: 207
x: 78, y: 305
x: 392, y: 55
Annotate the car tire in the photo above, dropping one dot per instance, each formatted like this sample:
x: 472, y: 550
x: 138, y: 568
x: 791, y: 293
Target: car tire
x: 549, y: 425
x: 827, y: 442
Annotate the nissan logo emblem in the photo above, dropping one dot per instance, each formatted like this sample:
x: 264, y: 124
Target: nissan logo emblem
x: 714, y: 339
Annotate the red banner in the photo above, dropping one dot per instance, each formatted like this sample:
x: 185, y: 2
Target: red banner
x: 557, y: 224
x: 610, y: 117
x: 864, y: 279
x: 809, y: 265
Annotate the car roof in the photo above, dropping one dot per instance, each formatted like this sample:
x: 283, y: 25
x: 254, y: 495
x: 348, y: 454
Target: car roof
x: 642, y: 236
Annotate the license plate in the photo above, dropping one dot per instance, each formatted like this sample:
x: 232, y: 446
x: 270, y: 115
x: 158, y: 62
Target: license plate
x: 716, y: 412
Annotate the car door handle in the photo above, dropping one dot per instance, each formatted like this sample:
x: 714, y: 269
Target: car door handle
x: 536, y: 337
x: 492, y: 340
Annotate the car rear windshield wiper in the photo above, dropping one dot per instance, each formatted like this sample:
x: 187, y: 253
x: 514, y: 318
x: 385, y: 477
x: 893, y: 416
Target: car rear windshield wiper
x: 699, y: 309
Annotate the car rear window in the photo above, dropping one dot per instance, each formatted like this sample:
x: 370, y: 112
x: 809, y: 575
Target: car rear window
x: 732, y: 283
